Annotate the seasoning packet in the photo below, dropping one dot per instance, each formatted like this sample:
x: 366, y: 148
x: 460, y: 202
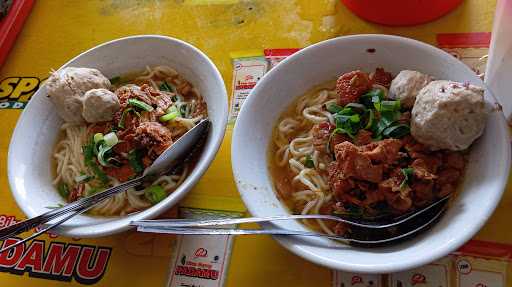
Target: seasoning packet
x: 201, y: 260
x: 275, y: 56
x: 248, y: 68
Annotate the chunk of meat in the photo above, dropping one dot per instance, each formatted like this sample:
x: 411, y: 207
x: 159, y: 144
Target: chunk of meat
x: 338, y: 182
x: 76, y: 193
x: 341, y: 228
x: 123, y: 147
x: 350, y: 86
x: 351, y: 162
x: 414, y: 148
x: 391, y: 185
x: 446, y: 189
x: 322, y: 134
x: 201, y: 109
x: 363, y: 137
x: 154, y: 136
x: 454, y: 160
x: 122, y: 173
x: 405, y: 118
x: 422, y: 170
x: 127, y: 92
x: 384, y: 151
x: 449, y: 175
x: 159, y: 100
x: 423, y: 190
x: 381, y: 77
x: 399, y: 203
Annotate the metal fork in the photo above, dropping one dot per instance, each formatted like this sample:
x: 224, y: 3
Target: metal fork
x: 235, y: 231
x: 199, y: 227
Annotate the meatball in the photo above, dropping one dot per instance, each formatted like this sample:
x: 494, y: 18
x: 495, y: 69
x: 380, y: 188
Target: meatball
x: 66, y: 89
x: 99, y: 105
x: 448, y: 115
x: 406, y: 85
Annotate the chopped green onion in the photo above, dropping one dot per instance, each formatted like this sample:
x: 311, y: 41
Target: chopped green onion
x: 373, y: 96
x: 111, y: 139
x: 123, y: 117
x: 355, y: 118
x: 309, y: 163
x: 89, y: 161
x: 174, y: 98
x: 171, y: 109
x: 391, y: 106
x: 343, y: 131
x: 140, y: 104
x: 371, y: 116
x: 333, y: 108
x: 168, y: 117
x: 63, y: 189
x: 94, y: 190
x: 83, y: 178
x: 346, y: 111
x: 356, y: 106
x: 167, y: 87
x: 58, y: 205
x: 155, y: 193
x: 102, y: 159
x: 135, y: 160
x: 184, y: 110
x: 407, y: 172
x: 397, y: 131
x: 97, y: 137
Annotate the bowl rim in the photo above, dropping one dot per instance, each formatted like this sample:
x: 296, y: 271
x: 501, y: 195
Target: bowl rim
x: 89, y: 230
x: 307, y: 252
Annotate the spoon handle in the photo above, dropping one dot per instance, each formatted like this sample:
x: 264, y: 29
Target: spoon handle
x: 86, y: 202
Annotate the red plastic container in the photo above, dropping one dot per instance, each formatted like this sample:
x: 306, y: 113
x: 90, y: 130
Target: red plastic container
x: 401, y: 12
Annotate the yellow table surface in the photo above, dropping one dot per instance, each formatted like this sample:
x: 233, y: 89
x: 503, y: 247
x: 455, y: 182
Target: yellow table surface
x: 58, y: 30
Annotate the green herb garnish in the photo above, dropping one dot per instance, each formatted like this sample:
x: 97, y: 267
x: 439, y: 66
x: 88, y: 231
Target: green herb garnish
x: 155, y: 193
x: 309, y: 163
x: 140, y: 104
x: 63, y: 190
x: 135, y: 160
x: 407, y: 172
x: 167, y: 87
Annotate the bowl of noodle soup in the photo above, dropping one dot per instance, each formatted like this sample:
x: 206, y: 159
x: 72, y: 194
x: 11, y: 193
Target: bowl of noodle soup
x: 47, y: 153
x: 278, y: 170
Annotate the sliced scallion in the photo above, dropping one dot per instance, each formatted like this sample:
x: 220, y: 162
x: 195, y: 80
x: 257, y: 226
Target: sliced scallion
x: 155, y: 193
x: 140, y: 104
x: 397, y: 131
x: 333, y: 108
x: 111, y: 139
x: 168, y: 117
x: 63, y: 190
x: 309, y: 163
x: 83, y: 178
x: 97, y: 137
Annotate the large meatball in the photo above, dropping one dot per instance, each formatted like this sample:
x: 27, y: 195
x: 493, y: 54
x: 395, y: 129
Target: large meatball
x: 66, y: 89
x: 99, y: 105
x: 406, y: 85
x: 448, y: 115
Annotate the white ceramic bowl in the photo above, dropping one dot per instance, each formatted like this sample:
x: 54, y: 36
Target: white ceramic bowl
x: 482, y: 188
x: 29, y: 163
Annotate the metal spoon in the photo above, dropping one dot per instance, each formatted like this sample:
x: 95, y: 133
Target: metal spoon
x: 161, y: 165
